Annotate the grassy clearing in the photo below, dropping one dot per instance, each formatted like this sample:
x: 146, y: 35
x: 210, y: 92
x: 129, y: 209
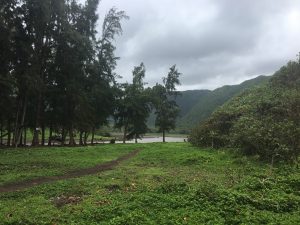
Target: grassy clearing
x: 170, y: 183
x: 27, y: 163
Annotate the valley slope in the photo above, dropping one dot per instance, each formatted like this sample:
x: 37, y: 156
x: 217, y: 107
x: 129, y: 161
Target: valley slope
x: 197, y: 105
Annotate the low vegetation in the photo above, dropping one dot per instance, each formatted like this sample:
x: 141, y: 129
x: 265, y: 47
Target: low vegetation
x: 172, y: 183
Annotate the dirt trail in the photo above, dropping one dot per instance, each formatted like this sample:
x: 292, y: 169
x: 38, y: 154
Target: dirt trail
x: 72, y: 174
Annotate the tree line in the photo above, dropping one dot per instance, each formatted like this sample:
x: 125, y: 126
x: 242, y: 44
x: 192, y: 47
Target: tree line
x: 57, y: 73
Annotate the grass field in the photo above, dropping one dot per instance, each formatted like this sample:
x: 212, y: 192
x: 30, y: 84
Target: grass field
x: 172, y: 183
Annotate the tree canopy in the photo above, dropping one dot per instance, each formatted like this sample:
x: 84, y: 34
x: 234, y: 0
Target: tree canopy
x: 133, y: 106
x: 166, y: 109
x: 56, y: 72
x: 57, y: 75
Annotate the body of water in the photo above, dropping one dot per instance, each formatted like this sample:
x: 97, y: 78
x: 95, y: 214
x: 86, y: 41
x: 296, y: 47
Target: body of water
x: 156, y: 139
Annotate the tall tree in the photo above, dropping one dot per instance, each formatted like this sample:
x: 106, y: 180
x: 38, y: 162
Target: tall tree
x: 37, y: 17
x: 134, y: 106
x: 54, y: 72
x: 166, y: 109
x: 140, y: 104
x: 7, y: 20
x: 23, y: 70
x: 103, y: 88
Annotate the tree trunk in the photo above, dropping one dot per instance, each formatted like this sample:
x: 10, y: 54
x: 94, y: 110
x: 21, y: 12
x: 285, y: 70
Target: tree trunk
x: 136, y: 139
x: 63, y: 136
x: 72, y: 140
x: 25, y: 136
x: 20, y: 142
x: 43, y: 135
x: 80, y: 138
x: 1, y: 133
x: 50, y: 136
x: 35, y: 140
x: 8, y: 134
x: 42, y: 42
x: 16, y: 129
x: 93, y: 135
x: 164, y: 138
x: 20, y: 130
x: 85, y: 138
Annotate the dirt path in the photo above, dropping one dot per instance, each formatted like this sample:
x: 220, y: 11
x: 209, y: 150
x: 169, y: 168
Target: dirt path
x: 72, y: 174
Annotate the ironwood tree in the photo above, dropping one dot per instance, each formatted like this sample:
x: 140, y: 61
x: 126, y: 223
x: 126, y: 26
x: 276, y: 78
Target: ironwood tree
x: 166, y: 109
x: 56, y: 72
x: 134, y: 106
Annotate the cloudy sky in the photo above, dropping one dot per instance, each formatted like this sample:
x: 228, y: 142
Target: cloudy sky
x: 212, y: 42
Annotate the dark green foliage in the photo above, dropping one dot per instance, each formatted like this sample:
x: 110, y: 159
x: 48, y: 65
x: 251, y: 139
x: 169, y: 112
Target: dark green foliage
x: 211, y: 100
x: 54, y: 72
x: 197, y: 105
x: 262, y: 121
x: 133, y: 106
x: 188, y: 99
x: 164, y: 100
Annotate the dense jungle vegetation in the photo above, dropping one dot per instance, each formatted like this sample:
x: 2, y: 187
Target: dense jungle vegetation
x: 262, y: 121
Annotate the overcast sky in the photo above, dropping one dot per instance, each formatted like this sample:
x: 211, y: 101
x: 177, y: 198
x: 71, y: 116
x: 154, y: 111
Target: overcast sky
x: 212, y: 42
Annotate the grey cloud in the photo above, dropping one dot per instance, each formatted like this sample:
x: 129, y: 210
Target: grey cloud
x: 213, y: 42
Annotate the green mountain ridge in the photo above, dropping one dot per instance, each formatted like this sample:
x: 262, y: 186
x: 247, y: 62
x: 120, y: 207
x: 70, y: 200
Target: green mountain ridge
x: 197, y: 105
x: 208, y: 103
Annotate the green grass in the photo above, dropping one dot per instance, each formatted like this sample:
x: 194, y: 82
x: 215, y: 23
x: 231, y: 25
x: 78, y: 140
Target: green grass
x: 171, y: 183
x: 27, y: 163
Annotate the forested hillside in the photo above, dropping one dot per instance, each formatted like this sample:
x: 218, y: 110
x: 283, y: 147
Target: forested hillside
x: 197, y: 105
x: 263, y: 121
x: 186, y: 100
x: 208, y: 103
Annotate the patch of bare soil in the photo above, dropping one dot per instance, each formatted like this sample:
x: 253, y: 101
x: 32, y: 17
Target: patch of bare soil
x: 72, y: 174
